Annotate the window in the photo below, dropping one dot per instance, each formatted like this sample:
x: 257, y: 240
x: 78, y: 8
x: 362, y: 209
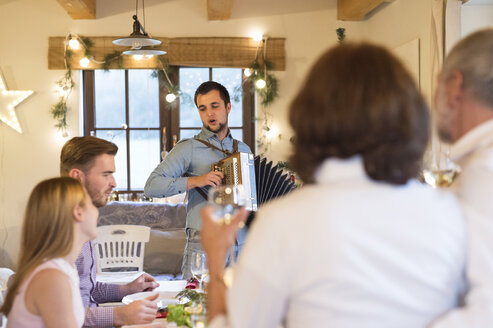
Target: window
x: 128, y: 107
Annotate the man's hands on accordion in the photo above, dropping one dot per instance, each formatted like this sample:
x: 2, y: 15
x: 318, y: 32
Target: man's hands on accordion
x: 212, y: 179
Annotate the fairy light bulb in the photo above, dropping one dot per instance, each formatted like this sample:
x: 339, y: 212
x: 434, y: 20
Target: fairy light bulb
x: 84, y: 62
x: 257, y: 36
x: 247, y: 72
x: 74, y: 44
x: 260, y: 84
x: 170, y: 97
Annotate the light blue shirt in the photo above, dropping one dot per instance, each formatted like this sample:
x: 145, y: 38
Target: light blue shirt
x: 192, y: 158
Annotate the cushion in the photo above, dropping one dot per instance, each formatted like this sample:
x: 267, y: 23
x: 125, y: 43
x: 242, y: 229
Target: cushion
x: 164, y: 251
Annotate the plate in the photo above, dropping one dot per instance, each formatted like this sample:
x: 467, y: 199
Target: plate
x: 163, y: 300
x: 171, y: 286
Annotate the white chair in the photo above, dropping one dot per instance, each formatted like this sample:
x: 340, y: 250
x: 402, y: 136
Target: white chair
x: 5, y: 275
x: 122, y: 247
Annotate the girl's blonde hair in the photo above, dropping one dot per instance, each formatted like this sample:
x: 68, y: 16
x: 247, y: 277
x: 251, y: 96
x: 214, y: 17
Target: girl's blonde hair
x: 48, y: 228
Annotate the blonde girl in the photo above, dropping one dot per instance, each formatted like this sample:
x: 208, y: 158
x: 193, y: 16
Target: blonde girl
x: 59, y: 218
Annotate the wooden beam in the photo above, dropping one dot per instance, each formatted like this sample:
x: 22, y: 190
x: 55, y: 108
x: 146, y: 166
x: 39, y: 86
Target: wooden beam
x: 79, y: 9
x: 219, y: 9
x: 196, y: 52
x: 356, y: 10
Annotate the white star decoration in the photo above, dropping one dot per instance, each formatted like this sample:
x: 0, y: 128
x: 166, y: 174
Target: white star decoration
x: 9, y: 99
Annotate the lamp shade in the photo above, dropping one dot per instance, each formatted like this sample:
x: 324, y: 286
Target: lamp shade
x: 145, y: 52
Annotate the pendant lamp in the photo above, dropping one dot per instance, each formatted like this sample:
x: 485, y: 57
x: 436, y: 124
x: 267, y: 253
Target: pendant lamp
x: 139, y: 38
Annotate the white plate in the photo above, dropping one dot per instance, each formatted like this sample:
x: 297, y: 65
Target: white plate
x: 171, y: 286
x: 164, y: 298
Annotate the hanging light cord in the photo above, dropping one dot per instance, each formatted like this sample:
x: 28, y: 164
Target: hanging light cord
x: 144, y: 14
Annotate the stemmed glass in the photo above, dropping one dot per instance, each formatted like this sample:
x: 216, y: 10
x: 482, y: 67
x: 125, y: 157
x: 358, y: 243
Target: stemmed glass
x: 199, y: 267
x: 440, y: 171
x: 226, y: 201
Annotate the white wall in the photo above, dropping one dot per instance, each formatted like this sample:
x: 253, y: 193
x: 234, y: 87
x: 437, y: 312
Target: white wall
x: 27, y: 158
x: 399, y: 22
x: 476, y: 17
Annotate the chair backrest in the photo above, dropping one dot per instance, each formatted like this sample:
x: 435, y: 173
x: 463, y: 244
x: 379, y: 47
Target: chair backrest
x: 121, y: 246
x: 6, y: 275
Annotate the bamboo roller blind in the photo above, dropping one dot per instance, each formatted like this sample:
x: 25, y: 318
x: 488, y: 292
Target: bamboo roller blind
x: 201, y: 52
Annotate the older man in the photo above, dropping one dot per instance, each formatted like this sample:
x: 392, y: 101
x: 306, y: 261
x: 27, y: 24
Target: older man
x: 92, y: 161
x: 464, y: 105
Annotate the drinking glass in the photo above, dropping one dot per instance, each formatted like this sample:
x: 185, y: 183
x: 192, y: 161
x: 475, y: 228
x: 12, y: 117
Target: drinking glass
x: 440, y: 170
x: 198, y: 320
x: 226, y: 201
x: 199, y: 267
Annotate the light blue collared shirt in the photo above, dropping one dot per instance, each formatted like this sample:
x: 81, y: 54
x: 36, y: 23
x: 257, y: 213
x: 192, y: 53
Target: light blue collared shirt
x: 192, y: 158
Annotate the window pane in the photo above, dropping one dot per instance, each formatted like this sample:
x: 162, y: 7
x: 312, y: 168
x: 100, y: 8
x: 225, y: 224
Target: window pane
x: 237, y: 134
x: 144, y: 156
x: 188, y: 133
x: 190, y: 79
x: 143, y: 97
x: 109, y: 94
x: 231, y: 78
x: 118, y: 137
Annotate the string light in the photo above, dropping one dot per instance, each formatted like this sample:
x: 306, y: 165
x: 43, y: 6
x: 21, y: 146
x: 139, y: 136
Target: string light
x: 170, y: 97
x: 73, y: 43
x: 272, y: 132
x: 16, y: 97
x: 247, y: 72
x: 260, y: 83
x: 84, y: 62
x: 257, y: 36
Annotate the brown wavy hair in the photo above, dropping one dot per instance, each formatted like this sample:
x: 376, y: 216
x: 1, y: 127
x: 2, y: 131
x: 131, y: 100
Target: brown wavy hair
x: 358, y: 99
x: 48, y: 228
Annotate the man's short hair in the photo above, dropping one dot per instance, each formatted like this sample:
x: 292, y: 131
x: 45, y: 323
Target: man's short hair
x: 359, y: 100
x: 208, y: 86
x: 473, y: 57
x: 80, y: 152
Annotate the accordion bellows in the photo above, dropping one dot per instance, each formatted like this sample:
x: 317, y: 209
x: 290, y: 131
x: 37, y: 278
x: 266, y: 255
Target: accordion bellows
x: 270, y: 183
x: 262, y: 180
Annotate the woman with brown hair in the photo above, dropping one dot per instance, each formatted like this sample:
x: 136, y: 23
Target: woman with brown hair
x: 59, y: 218
x: 363, y: 243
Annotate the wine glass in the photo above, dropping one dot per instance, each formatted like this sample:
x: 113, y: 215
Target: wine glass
x: 226, y: 201
x: 199, y: 267
x: 441, y: 171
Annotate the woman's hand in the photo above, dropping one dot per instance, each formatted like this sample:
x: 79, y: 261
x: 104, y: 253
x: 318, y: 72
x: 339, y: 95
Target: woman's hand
x: 217, y: 238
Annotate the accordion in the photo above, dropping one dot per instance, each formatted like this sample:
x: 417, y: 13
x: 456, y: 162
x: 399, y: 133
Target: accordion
x: 261, y: 180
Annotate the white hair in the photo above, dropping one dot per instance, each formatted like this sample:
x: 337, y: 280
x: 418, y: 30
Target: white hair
x: 473, y: 58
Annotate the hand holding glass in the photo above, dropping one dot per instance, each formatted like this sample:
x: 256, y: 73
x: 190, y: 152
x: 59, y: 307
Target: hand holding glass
x: 226, y: 201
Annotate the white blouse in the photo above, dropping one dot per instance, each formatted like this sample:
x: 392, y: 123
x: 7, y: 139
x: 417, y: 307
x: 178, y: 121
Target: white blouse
x: 350, y: 252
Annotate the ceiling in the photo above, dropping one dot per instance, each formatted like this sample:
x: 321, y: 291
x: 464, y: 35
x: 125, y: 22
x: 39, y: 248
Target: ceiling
x: 256, y: 8
x: 241, y: 8
x: 479, y: 3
